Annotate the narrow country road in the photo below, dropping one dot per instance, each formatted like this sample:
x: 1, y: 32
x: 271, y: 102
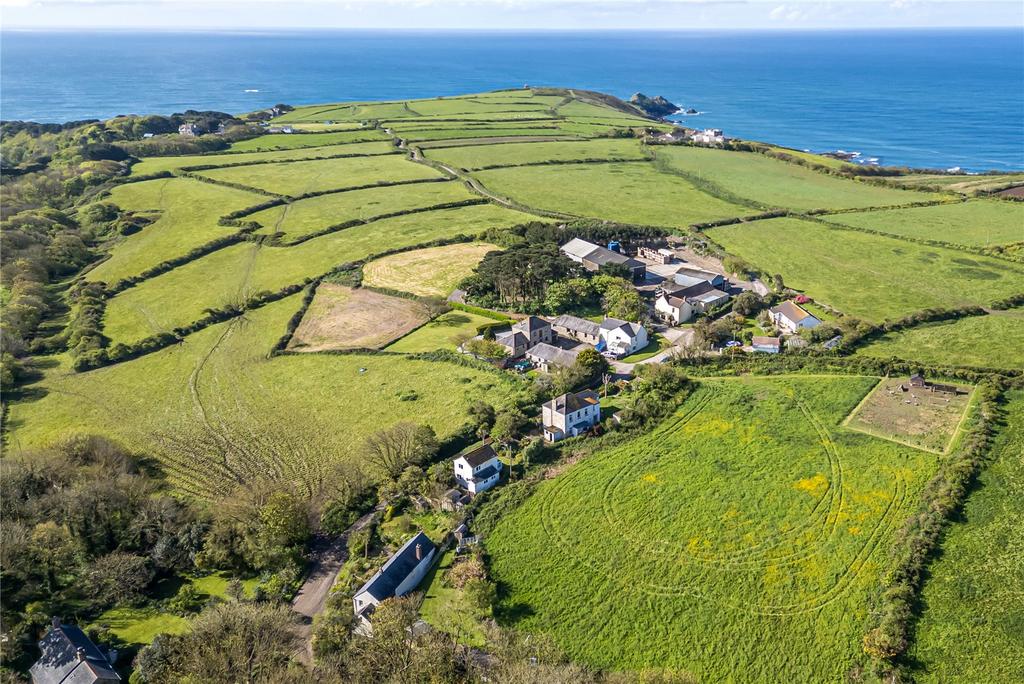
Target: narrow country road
x: 328, y: 554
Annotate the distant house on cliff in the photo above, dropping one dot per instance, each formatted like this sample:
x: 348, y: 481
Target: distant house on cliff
x: 188, y: 130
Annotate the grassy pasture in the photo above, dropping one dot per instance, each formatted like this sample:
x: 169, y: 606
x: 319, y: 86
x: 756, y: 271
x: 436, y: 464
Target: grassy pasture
x: 977, y: 223
x: 628, y: 192
x: 328, y: 127
x: 292, y: 141
x: 412, y: 125
x: 189, y: 210
x: 297, y: 178
x: 774, y: 183
x: 495, y: 140
x: 971, y: 627
x: 916, y: 417
x: 511, y: 154
x: 306, y: 216
x: 216, y: 412
x: 179, y: 296
x: 967, y: 185
x: 452, y: 106
x: 749, y: 518
x: 340, y: 317
x: 447, y: 331
x: 430, y: 272
x: 992, y: 341
x: 159, y: 164
x: 444, y: 132
x: 354, y: 111
x: 831, y: 162
x: 869, y: 276
x: 577, y: 109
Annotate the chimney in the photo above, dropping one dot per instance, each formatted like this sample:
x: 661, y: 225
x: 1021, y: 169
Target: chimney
x: 419, y: 552
x: 81, y: 654
x: 55, y: 621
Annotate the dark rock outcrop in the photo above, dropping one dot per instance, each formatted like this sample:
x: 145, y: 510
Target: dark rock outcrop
x: 654, y: 106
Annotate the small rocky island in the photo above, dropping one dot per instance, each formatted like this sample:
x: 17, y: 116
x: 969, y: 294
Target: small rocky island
x: 654, y: 106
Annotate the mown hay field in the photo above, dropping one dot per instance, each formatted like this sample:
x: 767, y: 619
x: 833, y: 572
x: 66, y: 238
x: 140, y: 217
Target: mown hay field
x: 306, y: 216
x: 744, y: 535
x: 971, y: 628
x: 512, y: 154
x: 976, y: 223
x: 216, y: 412
x: 774, y: 183
x: 151, y: 165
x: 633, y: 192
x: 188, y: 210
x: 870, y: 276
x: 992, y: 341
x: 341, y: 317
x: 447, y: 331
x: 178, y: 297
x: 291, y: 141
x: 430, y: 272
x: 301, y: 177
x: 957, y: 183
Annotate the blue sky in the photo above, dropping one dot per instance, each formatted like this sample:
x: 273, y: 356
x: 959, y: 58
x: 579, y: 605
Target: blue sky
x: 509, y: 14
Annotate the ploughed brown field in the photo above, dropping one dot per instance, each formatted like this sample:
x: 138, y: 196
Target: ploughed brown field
x: 345, y: 318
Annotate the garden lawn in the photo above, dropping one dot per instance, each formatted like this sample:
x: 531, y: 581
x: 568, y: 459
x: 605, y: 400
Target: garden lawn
x: 447, y: 331
x: 869, y: 276
x: 993, y: 341
x: 972, y: 624
x: 189, y: 210
x: 977, y: 223
x: 627, y: 192
x: 291, y: 141
x: 139, y: 626
x: 150, y: 165
x: 744, y: 534
x: 298, y: 178
x: 216, y: 412
x: 447, y: 608
x: 430, y: 272
x: 511, y: 154
x: 773, y: 183
x: 306, y: 216
x: 655, y: 347
x: 230, y: 275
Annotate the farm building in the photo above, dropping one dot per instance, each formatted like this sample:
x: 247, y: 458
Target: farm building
x: 593, y: 257
x: 454, y: 499
x: 477, y: 470
x: 690, y: 275
x: 570, y: 415
x: 399, y: 576
x: 579, y: 329
x: 68, y: 655
x: 658, y: 256
x: 621, y: 337
x: 791, y: 318
x: 768, y: 345
x: 515, y: 342
x: 547, y: 356
x: 673, y: 309
x: 535, y: 329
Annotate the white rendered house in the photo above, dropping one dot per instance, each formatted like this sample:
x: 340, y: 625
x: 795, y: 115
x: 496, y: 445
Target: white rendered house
x: 570, y: 415
x: 477, y: 470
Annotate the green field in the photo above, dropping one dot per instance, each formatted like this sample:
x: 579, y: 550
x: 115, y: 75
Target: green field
x: 747, y: 519
x: 976, y: 223
x: 444, y: 133
x: 511, y: 154
x: 298, y: 178
x: 159, y: 164
x: 179, y: 296
x: 628, y: 192
x: 307, y: 216
x: 968, y: 185
x: 972, y: 626
x: 430, y: 272
x: 216, y: 412
x: 446, y: 331
x: 292, y: 141
x: 993, y: 341
x: 189, y: 210
x: 773, y: 183
x: 869, y: 276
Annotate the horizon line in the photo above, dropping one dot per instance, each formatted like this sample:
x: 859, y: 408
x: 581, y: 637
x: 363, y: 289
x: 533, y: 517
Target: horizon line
x: 464, y: 29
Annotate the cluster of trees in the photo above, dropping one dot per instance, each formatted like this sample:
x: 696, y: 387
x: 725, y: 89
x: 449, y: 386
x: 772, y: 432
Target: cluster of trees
x: 519, y: 276
x: 615, y: 295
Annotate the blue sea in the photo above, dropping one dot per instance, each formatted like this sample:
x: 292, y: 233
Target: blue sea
x: 924, y: 98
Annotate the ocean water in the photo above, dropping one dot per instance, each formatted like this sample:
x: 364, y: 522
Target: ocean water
x: 924, y: 98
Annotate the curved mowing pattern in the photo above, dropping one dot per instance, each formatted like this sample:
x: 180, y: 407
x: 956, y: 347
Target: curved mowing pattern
x: 749, y: 516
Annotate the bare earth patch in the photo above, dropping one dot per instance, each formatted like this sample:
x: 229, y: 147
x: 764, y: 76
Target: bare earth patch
x: 431, y: 272
x: 345, y: 318
x: 916, y: 416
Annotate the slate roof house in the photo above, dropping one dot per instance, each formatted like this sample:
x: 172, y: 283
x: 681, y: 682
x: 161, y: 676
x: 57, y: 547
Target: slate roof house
x: 621, y: 338
x: 477, y: 470
x: 699, y: 292
x: 673, y: 309
x: 399, y: 576
x: 515, y: 342
x: 592, y: 257
x: 524, y: 334
x: 546, y: 356
x: 70, y: 657
x: 570, y: 415
x: 791, y: 318
x: 579, y: 329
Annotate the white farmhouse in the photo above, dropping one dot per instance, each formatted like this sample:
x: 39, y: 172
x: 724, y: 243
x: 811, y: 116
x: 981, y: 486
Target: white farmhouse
x: 398, y: 577
x: 570, y: 415
x: 622, y: 338
x: 791, y: 318
x: 477, y: 470
x: 673, y: 309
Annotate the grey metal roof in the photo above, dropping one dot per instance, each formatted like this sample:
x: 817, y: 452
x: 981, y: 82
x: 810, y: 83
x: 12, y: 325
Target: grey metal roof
x: 578, y: 248
x: 383, y: 584
x: 60, y: 662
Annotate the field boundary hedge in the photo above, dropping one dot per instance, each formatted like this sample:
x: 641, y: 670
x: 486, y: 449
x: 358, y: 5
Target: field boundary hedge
x: 229, y: 184
x: 293, y: 322
x: 709, y: 187
x: 557, y: 162
x: 259, y: 162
